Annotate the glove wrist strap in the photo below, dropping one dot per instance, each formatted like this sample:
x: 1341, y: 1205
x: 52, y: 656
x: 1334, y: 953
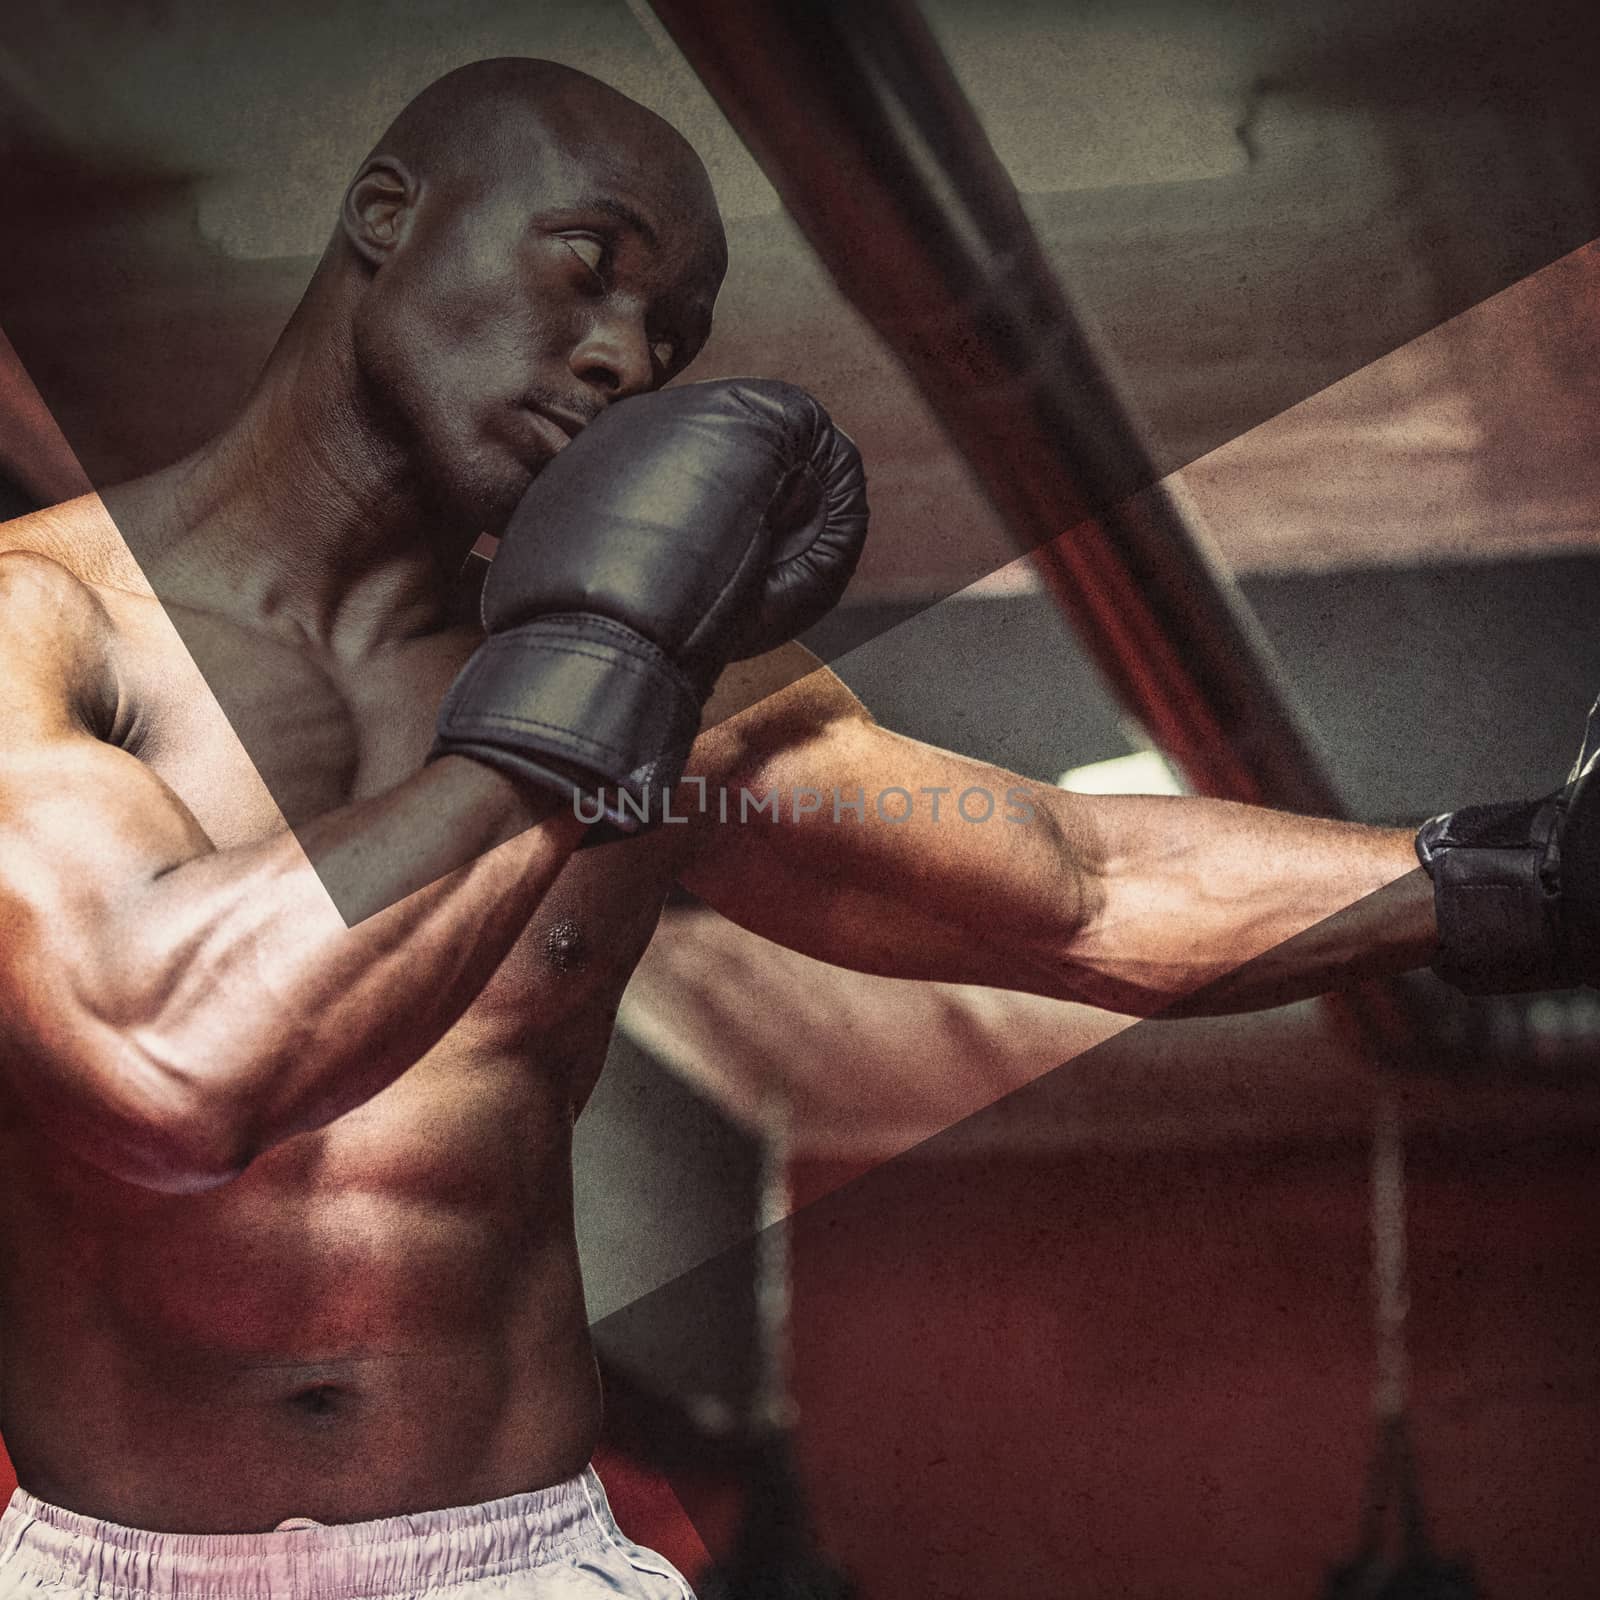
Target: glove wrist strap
x: 1495, y: 872
x: 581, y: 705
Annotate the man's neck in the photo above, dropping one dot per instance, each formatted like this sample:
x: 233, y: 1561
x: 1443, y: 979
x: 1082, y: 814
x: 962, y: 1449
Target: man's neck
x: 299, y: 518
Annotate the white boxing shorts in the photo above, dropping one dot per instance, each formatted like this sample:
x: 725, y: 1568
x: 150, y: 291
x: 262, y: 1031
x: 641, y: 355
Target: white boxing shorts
x: 560, y: 1543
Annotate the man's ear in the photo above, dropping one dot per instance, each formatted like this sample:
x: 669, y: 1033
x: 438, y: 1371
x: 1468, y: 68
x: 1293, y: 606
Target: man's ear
x: 377, y: 208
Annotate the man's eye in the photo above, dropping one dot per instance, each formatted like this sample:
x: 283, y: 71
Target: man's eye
x: 591, y: 252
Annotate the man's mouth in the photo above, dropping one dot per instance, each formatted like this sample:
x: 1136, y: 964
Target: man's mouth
x: 557, y: 428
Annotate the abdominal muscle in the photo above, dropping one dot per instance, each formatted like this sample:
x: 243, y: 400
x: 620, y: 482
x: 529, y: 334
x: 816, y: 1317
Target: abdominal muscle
x: 379, y: 1317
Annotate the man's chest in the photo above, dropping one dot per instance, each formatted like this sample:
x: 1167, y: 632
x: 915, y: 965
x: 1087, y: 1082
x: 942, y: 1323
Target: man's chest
x: 251, y: 734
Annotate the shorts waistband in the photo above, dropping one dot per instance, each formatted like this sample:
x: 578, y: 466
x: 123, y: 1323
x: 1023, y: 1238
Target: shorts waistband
x: 336, y: 1561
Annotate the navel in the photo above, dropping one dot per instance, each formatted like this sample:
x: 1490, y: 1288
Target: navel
x: 323, y: 1401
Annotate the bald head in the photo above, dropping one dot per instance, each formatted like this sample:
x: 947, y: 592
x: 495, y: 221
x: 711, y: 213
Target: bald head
x: 522, y: 246
x: 491, y: 119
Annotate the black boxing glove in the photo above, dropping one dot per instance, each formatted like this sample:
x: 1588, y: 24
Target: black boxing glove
x: 677, y: 532
x: 1516, y: 887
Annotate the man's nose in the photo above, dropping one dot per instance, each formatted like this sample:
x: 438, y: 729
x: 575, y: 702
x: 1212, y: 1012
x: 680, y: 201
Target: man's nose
x: 613, y: 356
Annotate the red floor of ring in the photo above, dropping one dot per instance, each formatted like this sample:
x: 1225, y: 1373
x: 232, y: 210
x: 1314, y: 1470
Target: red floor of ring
x: 1148, y: 1374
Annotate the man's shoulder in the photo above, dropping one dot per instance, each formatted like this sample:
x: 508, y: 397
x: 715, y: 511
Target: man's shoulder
x: 789, y: 682
x: 770, y: 705
x: 65, y: 577
x: 54, y: 628
x: 36, y: 590
x: 80, y: 537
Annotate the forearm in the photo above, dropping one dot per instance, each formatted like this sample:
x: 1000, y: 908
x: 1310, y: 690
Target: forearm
x: 254, y: 1006
x: 1203, y: 907
x: 1139, y: 904
x: 1145, y: 906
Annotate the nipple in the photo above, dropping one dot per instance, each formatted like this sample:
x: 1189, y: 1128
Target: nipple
x: 564, y: 946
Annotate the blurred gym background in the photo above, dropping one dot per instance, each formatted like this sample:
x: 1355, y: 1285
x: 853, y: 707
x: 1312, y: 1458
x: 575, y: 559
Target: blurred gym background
x: 1067, y: 1307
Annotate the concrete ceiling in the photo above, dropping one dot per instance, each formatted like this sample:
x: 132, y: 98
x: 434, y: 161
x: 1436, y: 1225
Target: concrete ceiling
x: 269, y: 106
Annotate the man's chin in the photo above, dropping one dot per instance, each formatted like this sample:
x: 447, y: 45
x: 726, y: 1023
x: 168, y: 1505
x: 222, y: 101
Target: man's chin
x: 498, y: 506
x: 487, y: 486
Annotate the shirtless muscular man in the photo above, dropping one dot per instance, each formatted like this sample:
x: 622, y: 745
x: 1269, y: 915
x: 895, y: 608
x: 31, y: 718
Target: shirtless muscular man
x: 290, y: 1298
